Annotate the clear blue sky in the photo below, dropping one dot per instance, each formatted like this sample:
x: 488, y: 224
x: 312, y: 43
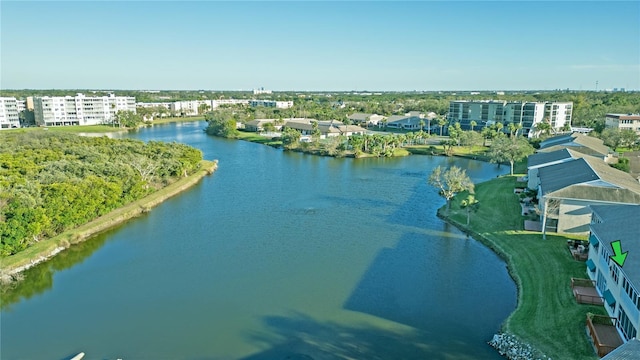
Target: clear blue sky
x: 301, y: 45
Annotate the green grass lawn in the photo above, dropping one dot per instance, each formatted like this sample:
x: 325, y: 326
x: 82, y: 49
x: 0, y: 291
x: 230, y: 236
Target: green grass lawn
x: 257, y: 138
x: 547, y: 315
x: 177, y: 119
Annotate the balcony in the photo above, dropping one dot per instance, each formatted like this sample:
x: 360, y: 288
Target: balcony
x: 603, y: 334
x: 585, y: 292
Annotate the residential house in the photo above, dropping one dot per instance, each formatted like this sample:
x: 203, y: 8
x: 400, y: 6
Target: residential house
x: 257, y: 125
x: 579, y: 142
x: 618, y: 285
x: 623, y: 122
x: 366, y: 119
x: 330, y: 128
x: 404, y: 122
x: 567, y: 189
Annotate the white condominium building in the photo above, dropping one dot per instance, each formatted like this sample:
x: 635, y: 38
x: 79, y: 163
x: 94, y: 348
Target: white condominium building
x: 271, y: 103
x: 9, y: 118
x: 528, y: 114
x: 80, y: 109
x: 623, y: 122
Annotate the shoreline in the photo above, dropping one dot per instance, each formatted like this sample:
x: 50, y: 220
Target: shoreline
x: 504, y: 342
x: 13, y: 266
x: 528, y: 332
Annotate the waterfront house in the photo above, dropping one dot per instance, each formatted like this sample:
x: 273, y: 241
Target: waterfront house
x: 618, y: 285
x: 566, y: 190
x: 257, y: 125
x: 327, y: 128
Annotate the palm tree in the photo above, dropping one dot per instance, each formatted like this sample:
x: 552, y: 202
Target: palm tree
x: 470, y: 204
x: 442, y: 122
x: 472, y: 124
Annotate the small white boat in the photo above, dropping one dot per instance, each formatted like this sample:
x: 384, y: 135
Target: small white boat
x: 78, y: 357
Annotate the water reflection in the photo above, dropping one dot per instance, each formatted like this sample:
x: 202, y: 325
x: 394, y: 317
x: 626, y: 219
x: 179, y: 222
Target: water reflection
x: 39, y: 278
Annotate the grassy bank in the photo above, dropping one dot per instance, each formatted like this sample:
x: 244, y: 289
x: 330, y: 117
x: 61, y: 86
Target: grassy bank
x: 547, y: 315
x: 49, y: 247
x: 176, y: 119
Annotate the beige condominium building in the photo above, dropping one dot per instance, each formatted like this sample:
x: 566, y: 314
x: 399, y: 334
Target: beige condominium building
x: 623, y: 122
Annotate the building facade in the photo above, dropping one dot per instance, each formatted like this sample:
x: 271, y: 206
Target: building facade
x: 9, y: 114
x: 527, y: 114
x: 618, y: 284
x: 623, y: 122
x: 80, y: 109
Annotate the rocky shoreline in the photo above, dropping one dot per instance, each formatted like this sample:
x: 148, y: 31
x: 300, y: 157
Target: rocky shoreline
x: 512, y: 348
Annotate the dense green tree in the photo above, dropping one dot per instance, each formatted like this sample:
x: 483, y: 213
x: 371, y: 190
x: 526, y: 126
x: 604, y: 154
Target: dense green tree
x: 616, y: 138
x: 50, y: 182
x: 128, y: 119
x: 509, y: 150
x: 290, y: 138
x: 222, y: 123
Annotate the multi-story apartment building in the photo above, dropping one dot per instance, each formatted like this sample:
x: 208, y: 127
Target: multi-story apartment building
x: 527, y: 114
x: 80, y: 109
x: 271, y: 103
x: 9, y: 114
x: 623, y: 122
x: 618, y: 285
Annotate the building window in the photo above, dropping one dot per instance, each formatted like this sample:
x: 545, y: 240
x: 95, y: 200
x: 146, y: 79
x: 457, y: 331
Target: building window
x: 626, y: 326
x: 614, y: 272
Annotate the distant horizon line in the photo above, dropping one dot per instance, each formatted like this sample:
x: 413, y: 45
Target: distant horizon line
x: 325, y: 91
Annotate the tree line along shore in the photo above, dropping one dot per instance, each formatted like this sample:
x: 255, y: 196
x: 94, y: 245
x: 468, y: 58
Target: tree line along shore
x: 99, y: 182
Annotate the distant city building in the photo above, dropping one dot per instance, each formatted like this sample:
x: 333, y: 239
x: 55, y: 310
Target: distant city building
x: 80, y: 109
x: 9, y: 114
x: 623, y: 122
x: 528, y: 114
x: 261, y: 90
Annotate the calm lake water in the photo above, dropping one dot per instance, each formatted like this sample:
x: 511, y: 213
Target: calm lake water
x: 277, y: 255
